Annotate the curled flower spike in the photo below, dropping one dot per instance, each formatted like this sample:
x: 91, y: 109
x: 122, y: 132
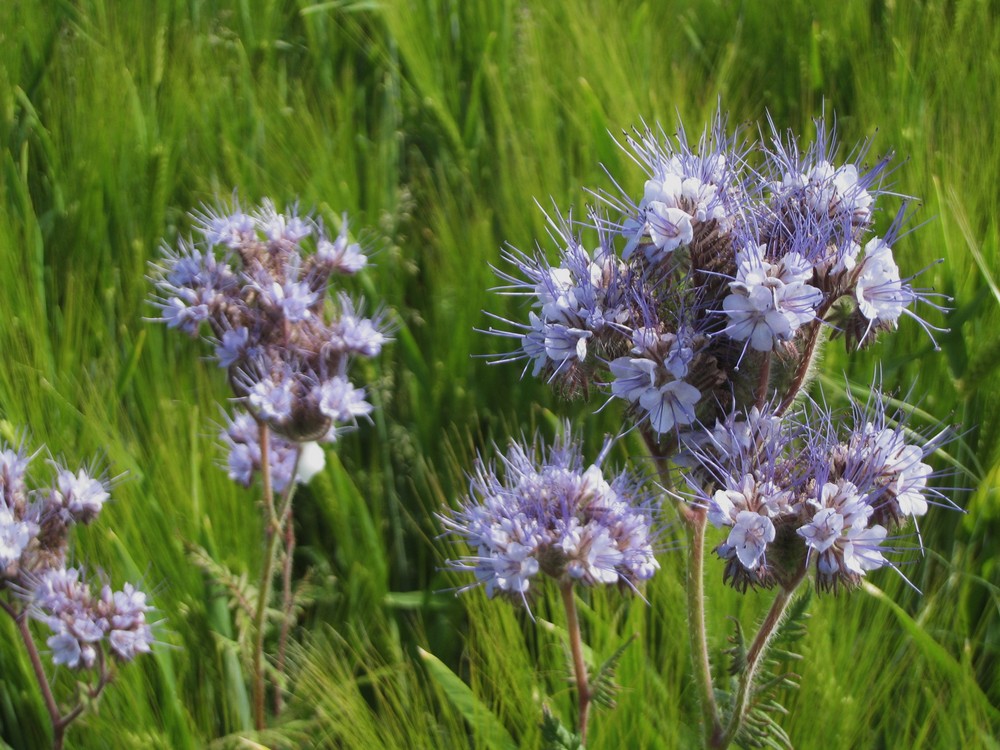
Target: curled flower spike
x: 815, y: 486
x: 260, y: 281
x: 81, y: 622
x: 731, y: 263
x: 543, y: 512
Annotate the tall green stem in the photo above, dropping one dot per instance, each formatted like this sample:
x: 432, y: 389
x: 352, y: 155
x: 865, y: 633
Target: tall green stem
x: 576, y: 649
x: 272, y: 535
x: 697, y: 520
x: 755, y: 656
x: 287, y: 594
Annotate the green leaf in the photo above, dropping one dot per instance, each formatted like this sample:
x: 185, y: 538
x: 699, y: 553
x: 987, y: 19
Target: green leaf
x: 602, y: 685
x: 484, y: 723
x: 555, y: 736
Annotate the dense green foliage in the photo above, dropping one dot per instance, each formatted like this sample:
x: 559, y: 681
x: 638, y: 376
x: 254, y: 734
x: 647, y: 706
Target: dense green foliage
x: 436, y: 125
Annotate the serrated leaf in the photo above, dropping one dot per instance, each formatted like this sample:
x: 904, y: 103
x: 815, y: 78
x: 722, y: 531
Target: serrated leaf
x: 483, y: 722
x: 242, y: 594
x: 555, y: 736
x: 602, y: 685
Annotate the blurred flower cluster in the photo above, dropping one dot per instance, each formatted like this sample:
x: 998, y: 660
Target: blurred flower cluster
x: 258, y: 285
x: 35, y: 524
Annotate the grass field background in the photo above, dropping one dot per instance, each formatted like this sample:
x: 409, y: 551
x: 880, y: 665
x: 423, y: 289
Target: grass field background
x: 435, y: 126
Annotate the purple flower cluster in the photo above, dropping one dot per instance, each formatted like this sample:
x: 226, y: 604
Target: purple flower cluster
x: 34, y: 537
x: 811, y: 487
x: 547, y: 513
x: 80, y: 621
x: 261, y: 283
x: 731, y: 263
x: 289, y: 461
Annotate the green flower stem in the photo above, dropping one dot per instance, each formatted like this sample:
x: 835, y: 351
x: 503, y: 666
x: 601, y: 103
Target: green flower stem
x: 287, y: 594
x: 55, y: 716
x: 60, y: 722
x: 754, y: 658
x: 272, y: 535
x: 697, y: 519
x: 576, y: 649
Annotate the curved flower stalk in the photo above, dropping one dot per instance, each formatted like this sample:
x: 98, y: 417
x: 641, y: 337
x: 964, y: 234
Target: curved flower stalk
x: 542, y: 514
x: 259, y: 286
x: 91, y: 629
x: 705, y: 300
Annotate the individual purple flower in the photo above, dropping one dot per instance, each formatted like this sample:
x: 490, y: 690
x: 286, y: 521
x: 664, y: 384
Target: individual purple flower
x: 880, y: 294
x: 341, y: 401
x: 13, y: 470
x: 544, y: 513
x: 79, y: 496
x: 15, y: 536
x: 124, y: 615
x: 340, y: 255
x: 233, y: 347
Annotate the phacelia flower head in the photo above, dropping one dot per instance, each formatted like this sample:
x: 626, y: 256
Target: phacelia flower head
x: 544, y: 512
x: 717, y: 283
x: 35, y: 524
x: 813, y: 487
x: 258, y: 284
x: 83, y: 624
x: 289, y: 461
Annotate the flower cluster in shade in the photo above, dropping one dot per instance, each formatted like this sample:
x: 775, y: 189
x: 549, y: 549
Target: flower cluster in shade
x: 259, y: 286
x: 813, y: 487
x: 35, y: 523
x: 734, y: 258
x: 544, y: 512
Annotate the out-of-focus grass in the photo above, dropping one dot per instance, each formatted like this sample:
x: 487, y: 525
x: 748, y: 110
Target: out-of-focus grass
x: 436, y: 126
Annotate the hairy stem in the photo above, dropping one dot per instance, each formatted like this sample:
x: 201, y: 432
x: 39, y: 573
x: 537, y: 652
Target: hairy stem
x: 59, y: 724
x: 287, y: 595
x: 272, y: 534
x: 662, y: 463
x: 696, y: 623
x: 576, y: 649
x: 802, y: 371
x: 695, y: 520
x: 758, y: 649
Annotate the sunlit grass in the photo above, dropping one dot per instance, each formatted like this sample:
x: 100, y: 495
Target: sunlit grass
x: 437, y: 127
